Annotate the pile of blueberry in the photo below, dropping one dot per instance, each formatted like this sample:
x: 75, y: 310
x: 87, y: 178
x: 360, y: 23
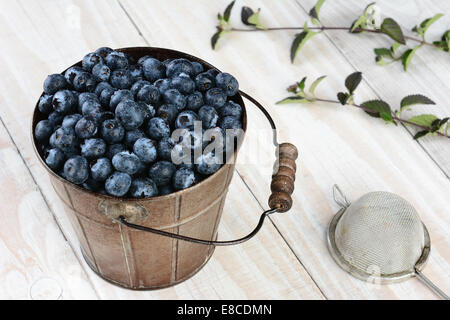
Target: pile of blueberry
x: 109, y: 123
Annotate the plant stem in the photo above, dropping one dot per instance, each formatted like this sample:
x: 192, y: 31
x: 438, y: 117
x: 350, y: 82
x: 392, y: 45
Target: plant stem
x: 393, y: 117
x: 421, y: 41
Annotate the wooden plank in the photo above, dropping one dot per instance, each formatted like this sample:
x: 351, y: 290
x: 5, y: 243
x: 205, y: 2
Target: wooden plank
x: 33, y: 250
x: 428, y: 74
x: 46, y: 37
x: 336, y: 145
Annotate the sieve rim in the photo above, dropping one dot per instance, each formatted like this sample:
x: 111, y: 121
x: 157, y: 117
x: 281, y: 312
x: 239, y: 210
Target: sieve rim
x: 362, y: 274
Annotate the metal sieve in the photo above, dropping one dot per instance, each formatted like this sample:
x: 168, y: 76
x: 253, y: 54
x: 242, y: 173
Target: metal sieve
x: 379, y: 238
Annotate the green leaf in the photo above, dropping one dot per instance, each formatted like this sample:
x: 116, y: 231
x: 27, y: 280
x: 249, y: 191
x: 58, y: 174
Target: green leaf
x: 379, y: 109
x: 316, y: 82
x: 254, y: 20
x: 407, y: 57
x: 292, y: 99
x: 359, y: 23
x: 352, y: 81
x: 227, y: 12
x: 314, y: 12
x: 343, y: 97
x: 216, y: 38
x: 393, y: 30
x: 301, y: 84
x: 246, y: 12
x: 428, y: 22
x: 379, y: 61
x: 299, y: 42
x: 383, y: 52
x: 394, y: 47
x: 420, y: 134
x: 424, y: 120
x: 414, y: 99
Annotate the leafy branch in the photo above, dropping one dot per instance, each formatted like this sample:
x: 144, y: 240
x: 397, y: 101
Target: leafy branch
x: 367, y: 22
x: 428, y: 124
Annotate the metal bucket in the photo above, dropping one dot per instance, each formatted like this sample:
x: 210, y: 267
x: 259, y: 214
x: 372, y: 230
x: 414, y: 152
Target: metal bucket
x: 139, y: 260
x: 117, y: 249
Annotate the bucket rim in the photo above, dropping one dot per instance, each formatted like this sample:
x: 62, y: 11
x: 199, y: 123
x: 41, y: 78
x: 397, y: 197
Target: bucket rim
x: 139, y: 51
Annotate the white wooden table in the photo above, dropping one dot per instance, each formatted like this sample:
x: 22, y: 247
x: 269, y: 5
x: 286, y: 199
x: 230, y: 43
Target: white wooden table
x: 289, y: 258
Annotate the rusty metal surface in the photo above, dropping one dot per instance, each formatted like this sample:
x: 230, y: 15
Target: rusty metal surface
x: 135, y: 259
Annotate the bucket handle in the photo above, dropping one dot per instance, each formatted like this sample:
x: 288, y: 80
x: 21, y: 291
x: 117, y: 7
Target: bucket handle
x: 282, y: 186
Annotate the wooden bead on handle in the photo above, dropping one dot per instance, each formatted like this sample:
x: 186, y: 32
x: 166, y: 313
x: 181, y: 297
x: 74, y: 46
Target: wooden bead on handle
x: 280, y: 200
x: 286, y: 162
x: 286, y: 172
x: 282, y: 184
x: 288, y: 150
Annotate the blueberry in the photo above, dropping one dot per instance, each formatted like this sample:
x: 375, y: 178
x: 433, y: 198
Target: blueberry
x: 165, y: 146
x: 168, y: 112
x: 76, y: 169
x: 90, y: 60
x: 208, y: 116
x: 166, y: 62
x: 158, y: 128
x: 147, y: 109
x: 93, y: 148
x: 43, y: 130
x: 203, y: 82
x: 163, y: 190
x: 129, y: 114
x: 227, y: 83
x: 55, y: 118
x: 136, y: 72
x: 126, y: 162
x: 161, y: 172
x: 84, y: 82
x: 194, y: 101
x: 153, y: 69
x: 230, y: 122
x: 103, y: 51
x: 102, y: 86
x: 175, y: 97
x: 66, y: 140
x: 192, y: 139
x: 145, y: 149
x: 183, y: 178
x: 131, y: 137
x: 142, y: 59
x: 214, y: 137
x: 183, y: 83
x: 143, y: 188
x: 116, y: 60
x: 112, y: 131
x: 45, y: 103
x: 215, y: 97
x: 54, y: 82
x: 162, y: 85
x: 149, y: 94
x: 64, y: 101
x: 91, y: 108
x: 103, y: 116
x: 71, y: 120
x: 113, y: 149
x: 72, y: 72
x: 118, y: 96
x: 101, y: 169
x: 54, y: 158
x: 231, y: 109
x: 101, y: 72
x: 177, y: 66
x: 86, y: 96
x: 198, y: 68
x: 208, y: 163
x: 121, y: 79
x: 141, y: 171
x: 93, y: 185
x: 118, y: 184
x: 212, y: 73
x: 86, y: 127
x: 105, y: 97
x: 138, y: 86
x: 186, y: 119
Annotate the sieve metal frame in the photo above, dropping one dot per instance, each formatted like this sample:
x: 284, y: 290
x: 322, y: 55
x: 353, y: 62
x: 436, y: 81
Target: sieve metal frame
x: 365, y: 276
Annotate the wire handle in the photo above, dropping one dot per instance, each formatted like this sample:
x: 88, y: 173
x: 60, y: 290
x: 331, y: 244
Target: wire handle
x: 282, y: 186
x: 431, y: 285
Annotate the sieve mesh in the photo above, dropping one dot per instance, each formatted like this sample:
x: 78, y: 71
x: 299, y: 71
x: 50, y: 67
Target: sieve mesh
x: 380, y: 233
